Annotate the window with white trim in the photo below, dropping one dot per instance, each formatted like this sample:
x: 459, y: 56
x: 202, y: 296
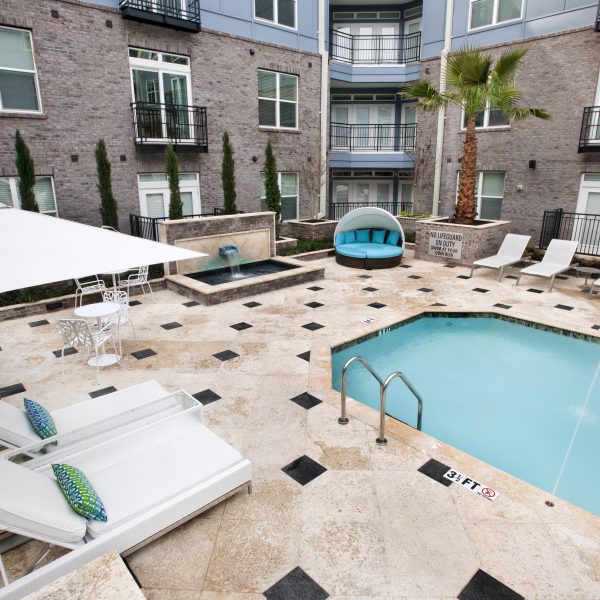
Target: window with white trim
x: 288, y: 186
x: 43, y: 191
x: 155, y: 195
x: 489, y: 192
x: 277, y: 100
x: 19, y: 91
x: 488, y: 119
x: 281, y: 12
x: 484, y: 13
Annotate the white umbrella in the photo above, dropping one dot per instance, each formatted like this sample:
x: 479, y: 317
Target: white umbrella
x: 39, y: 249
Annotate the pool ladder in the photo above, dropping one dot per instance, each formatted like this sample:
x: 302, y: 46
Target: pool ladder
x: 383, y: 386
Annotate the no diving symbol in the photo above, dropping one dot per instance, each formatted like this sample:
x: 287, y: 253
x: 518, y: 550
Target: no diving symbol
x: 488, y: 493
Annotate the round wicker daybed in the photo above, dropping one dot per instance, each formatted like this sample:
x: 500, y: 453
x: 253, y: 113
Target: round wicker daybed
x: 369, y: 238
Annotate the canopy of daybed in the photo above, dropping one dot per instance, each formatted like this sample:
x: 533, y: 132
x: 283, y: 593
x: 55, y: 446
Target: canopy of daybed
x: 368, y: 217
x: 38, y: 249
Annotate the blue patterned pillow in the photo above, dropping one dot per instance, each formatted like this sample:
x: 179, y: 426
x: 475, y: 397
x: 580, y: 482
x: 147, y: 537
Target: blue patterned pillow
x: 79, y: 492
x: 40, y: 418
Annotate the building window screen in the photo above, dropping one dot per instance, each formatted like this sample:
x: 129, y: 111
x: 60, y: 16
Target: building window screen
x: 43, y: 191
x: 493, y: 12
x: 282, y: 12
x: 277, y: 100
x: 489, y: 118
x: 288, y: 186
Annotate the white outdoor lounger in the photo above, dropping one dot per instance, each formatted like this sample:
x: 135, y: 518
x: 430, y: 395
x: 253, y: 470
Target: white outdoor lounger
x: 510, y: 252
x: 557, y: 260
x: 16, y: 430
x: 150, y: 479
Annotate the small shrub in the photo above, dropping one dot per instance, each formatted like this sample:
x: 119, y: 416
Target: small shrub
x: 306, y: 246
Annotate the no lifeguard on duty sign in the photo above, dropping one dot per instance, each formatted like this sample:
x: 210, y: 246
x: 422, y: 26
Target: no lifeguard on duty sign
x: 479, y: 488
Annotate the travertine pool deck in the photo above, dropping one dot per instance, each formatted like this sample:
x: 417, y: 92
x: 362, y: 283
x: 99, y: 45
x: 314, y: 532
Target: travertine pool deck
x: 371, y: 526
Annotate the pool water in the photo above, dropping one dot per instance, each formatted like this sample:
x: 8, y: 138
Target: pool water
x: 525, y: 400
x: 247, y: 271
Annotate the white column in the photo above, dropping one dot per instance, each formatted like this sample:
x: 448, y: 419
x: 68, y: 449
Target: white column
x: 323, y: 33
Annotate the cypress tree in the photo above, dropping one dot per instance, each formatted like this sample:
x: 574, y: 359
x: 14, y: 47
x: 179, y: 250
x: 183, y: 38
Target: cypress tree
x: 26, y: 173
x: 108, y: 204
x: 273, y: 194
x: 172, y: 170
x: 228, y: 176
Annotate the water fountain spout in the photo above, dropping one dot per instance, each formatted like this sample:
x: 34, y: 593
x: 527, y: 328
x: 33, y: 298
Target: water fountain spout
x: 231, y: 253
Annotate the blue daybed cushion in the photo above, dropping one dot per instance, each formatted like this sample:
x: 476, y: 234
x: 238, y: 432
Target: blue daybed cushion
x: 340, y: 239
x: 354, y: 250
x: 393, y: 238
x: 349, y: 237
x: 383, y: 251
x: 363, y: 235
x: 378, y: 236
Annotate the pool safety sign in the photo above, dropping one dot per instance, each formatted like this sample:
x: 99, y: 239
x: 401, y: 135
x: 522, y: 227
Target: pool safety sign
x: 479, y: 488
x: 445, y: 244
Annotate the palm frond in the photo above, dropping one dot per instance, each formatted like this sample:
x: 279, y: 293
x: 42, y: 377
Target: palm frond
x: 468, y: 67
x: 506, y: 66
x: 422, y: 90
x: 518, y: 113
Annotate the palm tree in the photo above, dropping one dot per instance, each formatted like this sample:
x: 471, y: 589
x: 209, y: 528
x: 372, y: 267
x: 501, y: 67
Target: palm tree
x: 474, y: 82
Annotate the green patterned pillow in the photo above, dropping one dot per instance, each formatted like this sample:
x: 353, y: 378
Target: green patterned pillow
x: 79, y: 492
x: 40, y: 418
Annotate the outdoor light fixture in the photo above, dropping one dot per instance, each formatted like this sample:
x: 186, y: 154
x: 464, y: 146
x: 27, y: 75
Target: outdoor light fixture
x: 532, y: 164
x: 252, y: 51
x: 254, y: 158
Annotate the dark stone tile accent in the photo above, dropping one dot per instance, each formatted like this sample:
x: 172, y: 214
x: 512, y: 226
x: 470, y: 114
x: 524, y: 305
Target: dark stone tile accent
x: 564, y: 307
x: 296, y: 585
x: 304, y: 356
x: 171, y: 325
x: 535, y: 291
x: 131, y: 572
x: 438, y: 304
x: 370, y: 289
x: 241, y: 326
x: 315, y: 288
x: 68, y: 352
x: 365, y: 276
x: 313, y: 326
x: 304, y: 469
x: 39, y: 323
x: 481, y: 290
x: 206, y: 397
x: 137, y: 303
x: 146, y: 353
x: 313, y: 304
x: 483, y: 586
x: 563, y: 277
x: 463, y: 277
x: 54, y: 306
x: 191, y: 303
x: 596, y: 327
x: 435, y: 469
x: 11, y: 390
x: 500, y: 305
x: 510, y: 277
x: 252, y: 304
x: 306, y: 400
x: 107, y: 390
x: 424, y: 289
x: 415, y: 277
x: 377, y: 305
x: 226, y: 355
x: 406, y: 266
x: 450, y: 266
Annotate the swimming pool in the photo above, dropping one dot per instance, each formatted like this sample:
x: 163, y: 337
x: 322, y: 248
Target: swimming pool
x: 523, y: 399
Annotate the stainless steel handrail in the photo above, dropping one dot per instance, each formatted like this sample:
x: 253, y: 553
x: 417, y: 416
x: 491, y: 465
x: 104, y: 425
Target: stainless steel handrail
x: 383, y: 386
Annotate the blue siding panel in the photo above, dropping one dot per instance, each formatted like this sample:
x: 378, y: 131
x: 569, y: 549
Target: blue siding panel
x: 375, y: 74
x: 381, y: 161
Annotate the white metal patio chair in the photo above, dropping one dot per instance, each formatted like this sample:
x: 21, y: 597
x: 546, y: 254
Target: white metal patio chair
x: 89, y: 285
x: 556, y: 260
x: 510, y: 252
x: 139, y: 277
x: 77, y: 333
x: 594, y: 283
x: 120, y: 297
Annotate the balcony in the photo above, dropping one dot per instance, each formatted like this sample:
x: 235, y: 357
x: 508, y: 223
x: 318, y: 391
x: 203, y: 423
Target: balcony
x: 162, y: 124
x: 589, y: 139
x: 598, y: 18
x: 373, y: 138
x: 375, y: 49
x: 177, y: 14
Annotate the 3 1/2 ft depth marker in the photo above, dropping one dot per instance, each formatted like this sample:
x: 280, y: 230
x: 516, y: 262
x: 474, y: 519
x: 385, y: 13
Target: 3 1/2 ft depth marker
x: 478, y: 488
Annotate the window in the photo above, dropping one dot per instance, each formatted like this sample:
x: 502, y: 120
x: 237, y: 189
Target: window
x: 288, y: 185
x: 492, y: 12
x: 490, y: 117
x: 277, y: 100
x: 43, y: 190
x: 282, y: 12
x: 489, y: 191
x: 18, y: 77
x: 155, y: 196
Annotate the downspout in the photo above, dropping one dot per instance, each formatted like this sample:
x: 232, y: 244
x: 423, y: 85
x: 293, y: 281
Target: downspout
x: 323, y: 33
x: 439, y: 145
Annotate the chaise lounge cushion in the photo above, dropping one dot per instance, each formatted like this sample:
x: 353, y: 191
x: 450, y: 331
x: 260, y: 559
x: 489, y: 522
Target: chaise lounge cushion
x: 15, y: 428
x: 370, y: 250
x: 33, y: 503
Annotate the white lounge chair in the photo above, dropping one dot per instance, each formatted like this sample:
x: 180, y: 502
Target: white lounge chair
x: 16, y: 430
x: 510, y: 252
x: 557, y: 260
x: 596, y: 282
x: 150, y: 480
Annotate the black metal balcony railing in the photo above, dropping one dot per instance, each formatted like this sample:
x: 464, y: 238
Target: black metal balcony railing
x: 178, y: 14
x: 581, y: 227
x: 160, y: 124
x: 598, y: 18
x: 375, y: 49
x: 338, y: 209
x: 589, y: 140
x: 381, y: 138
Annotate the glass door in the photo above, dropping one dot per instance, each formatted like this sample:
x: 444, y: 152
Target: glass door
x: 412, y: 42
x: 342, y: 43
x: 385, y: 128
x: 586, y: 229
x: 362, y: 137
x: 365, y: 47
x: 340, y: 130
x: 409, y: 130
x: 177, y: 118
x: 146, y: 90
x: 389, y: 49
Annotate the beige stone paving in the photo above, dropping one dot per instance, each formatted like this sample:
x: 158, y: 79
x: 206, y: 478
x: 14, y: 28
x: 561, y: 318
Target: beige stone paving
x: 371, y: 527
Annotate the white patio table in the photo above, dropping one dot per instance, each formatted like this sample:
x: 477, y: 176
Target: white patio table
x: 114, y: 274
x: 99, y: 311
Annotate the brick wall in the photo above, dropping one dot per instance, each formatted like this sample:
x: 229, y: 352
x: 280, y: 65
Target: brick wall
x: 559, y: 73
x: 85, y: 88
x: 309, y: 231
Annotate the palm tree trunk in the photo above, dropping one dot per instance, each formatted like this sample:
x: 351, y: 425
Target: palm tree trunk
x: 466, y: 207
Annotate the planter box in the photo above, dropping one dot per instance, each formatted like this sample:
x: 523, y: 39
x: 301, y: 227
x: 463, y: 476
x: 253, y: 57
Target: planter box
x: 284, y: 243
x: 440, y: 241
x: 307, y: 230
x: 409, y: 224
